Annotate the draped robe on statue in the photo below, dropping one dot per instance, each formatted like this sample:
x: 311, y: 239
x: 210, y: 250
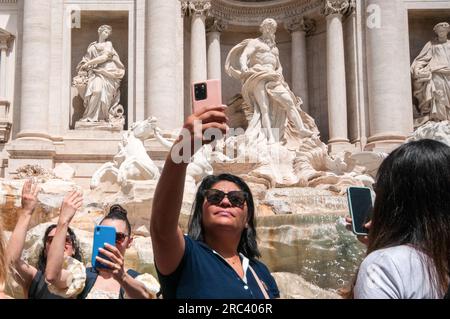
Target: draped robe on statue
x: 110, y: 74
x: 275, y: 86
x: 431, y: 79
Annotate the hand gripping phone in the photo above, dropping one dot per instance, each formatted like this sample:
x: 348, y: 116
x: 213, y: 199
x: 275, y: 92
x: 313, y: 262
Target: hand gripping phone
x: 361, y: 208
x: 102, y: 235
x: 206, y: 94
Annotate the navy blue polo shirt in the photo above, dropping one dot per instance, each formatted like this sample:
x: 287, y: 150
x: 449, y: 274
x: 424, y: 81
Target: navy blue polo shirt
x: 204, y: 274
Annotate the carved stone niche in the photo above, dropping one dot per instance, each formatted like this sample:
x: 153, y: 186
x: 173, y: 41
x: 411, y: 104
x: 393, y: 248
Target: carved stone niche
x: 86, y: 39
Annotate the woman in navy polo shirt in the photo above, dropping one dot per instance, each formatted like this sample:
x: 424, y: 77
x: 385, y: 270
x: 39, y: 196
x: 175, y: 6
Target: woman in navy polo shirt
x: 217, y: 259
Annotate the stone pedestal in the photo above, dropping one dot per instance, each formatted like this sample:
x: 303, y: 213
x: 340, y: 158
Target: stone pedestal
x: 100, y: 126
x: 36, y: 151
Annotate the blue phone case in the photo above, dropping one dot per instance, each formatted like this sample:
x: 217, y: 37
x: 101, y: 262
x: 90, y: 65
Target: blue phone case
x: 102, y: 235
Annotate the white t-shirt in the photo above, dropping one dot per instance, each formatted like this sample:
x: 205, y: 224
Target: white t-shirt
x: 395, y: 273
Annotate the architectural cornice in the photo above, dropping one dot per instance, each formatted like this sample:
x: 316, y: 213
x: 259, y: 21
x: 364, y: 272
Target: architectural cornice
x: 252, y: 14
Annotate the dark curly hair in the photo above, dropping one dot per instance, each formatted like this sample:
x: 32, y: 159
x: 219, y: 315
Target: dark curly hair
x: 117, y: 212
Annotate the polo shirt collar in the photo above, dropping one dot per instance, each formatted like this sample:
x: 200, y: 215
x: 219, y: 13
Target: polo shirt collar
x: 244, y: 259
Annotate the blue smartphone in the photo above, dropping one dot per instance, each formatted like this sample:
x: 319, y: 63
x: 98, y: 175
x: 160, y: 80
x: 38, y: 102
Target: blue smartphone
x: 361, y: 208
x: 102, y: 235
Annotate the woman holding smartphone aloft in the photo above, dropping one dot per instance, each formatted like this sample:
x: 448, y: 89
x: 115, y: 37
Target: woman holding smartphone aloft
x: 218, y: 257
x: 113, y: 282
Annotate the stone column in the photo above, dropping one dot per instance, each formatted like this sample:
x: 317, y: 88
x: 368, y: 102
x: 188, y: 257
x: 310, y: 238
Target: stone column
x: 388, y: 75
x: 299, y: 27
x: 161, y: 63
x: 336, y: 85
x: 35, y: 69
x: 3, y: 49
x: 33, y: 144
x: 214, y: 28
x: 197, y: 11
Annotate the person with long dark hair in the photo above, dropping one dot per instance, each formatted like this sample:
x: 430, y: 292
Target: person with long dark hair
x: 408, y: 253
x: 32, y: 279
x: 218, y: 258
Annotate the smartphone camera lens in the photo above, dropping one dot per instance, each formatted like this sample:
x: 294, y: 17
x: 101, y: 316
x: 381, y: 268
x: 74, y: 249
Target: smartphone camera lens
x: 200, y: 91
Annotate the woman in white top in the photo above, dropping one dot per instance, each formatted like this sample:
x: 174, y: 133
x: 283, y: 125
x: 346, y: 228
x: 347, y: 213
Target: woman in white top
x: 408, y: 253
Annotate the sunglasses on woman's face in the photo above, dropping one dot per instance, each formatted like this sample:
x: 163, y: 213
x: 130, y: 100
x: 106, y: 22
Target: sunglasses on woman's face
x: 50, y: 239
x: 120, y: 237
x: 215, y: 197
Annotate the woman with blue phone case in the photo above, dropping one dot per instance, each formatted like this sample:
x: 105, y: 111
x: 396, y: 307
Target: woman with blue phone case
x: 109, y: 279
x: 408, y: 253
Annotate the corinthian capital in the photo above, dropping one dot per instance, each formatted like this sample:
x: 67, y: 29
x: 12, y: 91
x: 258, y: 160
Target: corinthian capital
x: 215, y: 25
x: 195, y: 7
x: 199, y: 7
x: 337, y: 7
x: 300, y: 24
x: 184, y: 7
x: 5, y: 39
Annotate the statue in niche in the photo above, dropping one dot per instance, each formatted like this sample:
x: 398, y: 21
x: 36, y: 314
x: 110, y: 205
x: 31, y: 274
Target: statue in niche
x: 98, y: 82
x: 257, y: 64
x: 431, y: 78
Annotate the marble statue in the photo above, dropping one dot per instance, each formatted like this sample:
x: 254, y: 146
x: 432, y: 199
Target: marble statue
x: 132, y: 162
x: 256, y: 63
x: 295, y: 157
x: 431, y: 77
x: 98, y: 80
x: 439, y: 131
x: 200, y: 164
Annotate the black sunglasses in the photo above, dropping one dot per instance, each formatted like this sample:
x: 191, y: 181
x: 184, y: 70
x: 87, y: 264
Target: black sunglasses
x: 215, y: 197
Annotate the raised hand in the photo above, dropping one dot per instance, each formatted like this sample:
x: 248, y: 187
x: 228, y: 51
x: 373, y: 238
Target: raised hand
x: 362, y: 239
x: 201, y: 127
x: 29, y: 196
x: 115, y: 264
x: 71, y: 203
